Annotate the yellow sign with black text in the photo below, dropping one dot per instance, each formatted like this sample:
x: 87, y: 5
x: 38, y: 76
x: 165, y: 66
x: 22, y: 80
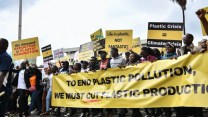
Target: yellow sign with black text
x: 159, y: 33
x: 97, y: 35
x: 164, y: 83
x: 121, y: 39
x: 47, y: 53
x: 136, y: 45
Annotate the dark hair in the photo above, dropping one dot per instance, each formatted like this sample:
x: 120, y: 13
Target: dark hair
x: 137, y: 57
x: 4, y: 44
x: 127, y: 53
x: 190, y: 36
x: 84, y: 62
x: 114, y: 49
x: 148, y: 50
x: 55, y: 68
x: 171, y: 45
x: 144, y: 49
x: 79, y: 66
x: 157, y: 53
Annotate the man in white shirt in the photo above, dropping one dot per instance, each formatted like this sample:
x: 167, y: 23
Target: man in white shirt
x: 117, y: 61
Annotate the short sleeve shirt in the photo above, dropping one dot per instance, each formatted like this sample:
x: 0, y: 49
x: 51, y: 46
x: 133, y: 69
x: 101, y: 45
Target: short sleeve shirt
x: 5, y: 63
x: 115, y: 62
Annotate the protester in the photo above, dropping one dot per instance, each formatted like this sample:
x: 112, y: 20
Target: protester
x: 134, y: 60
x: 12, y: 105
x: 54, y: 71
x: 23, y: 84
x: 85, y: 67
x: 127, y: 54
x: 35, y: 89
x: 64, y: 70
x: 103, y: 65
x: 170, y: 54
x: 170, y: 51
x: 105, y: 62
x: 46, y: 84
x: 157, y: 53
x: 188, y: 44
x: 117, y: 61
x: 147, y: 54
x: 5, y: 63
x: 188, y: 48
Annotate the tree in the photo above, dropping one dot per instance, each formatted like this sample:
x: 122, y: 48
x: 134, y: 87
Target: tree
x: 182, y: 4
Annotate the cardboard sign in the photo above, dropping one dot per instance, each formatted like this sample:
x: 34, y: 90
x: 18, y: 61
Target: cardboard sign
x: 97, y: 35
x: 86, y: 51
x: 26, y: 48
x: 59, y: 53
x: 121, y: 39
x: 99, y: 45
x: 136, y: 45
x: 159, y: 33
x: 47, y: 53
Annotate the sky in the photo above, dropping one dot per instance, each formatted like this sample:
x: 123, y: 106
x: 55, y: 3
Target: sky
x: 69, y: 23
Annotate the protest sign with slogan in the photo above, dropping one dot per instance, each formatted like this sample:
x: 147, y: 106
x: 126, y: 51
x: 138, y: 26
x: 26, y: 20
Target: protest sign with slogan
x: 206, y: 16
x: 165, y: 83
x: 136, y: 45
x: 25, y: 48
x: 121, y: 39
x: 159, y: 33
x: 59, y: 53
x: 97, y: 35
x: 47, y: 53
x: 99, y: 45
x: 86, y: 51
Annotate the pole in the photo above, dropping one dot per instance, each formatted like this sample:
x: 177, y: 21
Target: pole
x: 20, y: 21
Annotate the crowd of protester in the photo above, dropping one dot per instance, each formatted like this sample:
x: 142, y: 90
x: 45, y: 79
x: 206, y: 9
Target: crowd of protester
x: 25, y: 82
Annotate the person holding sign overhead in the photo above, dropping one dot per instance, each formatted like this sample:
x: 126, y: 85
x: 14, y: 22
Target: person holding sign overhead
x: 201, y: 15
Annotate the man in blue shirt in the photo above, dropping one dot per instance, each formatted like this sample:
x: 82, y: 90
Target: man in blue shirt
x: 5, y: 62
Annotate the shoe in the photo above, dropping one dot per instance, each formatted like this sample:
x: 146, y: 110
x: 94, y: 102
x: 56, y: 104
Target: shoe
x: 57, y: 114
x: 82, y: 115
x: 110, y: 114
x: 69, y: 114
x: 43, y: 114
x: 38, y: 113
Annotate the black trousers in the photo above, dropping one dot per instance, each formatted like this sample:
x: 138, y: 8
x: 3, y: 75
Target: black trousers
x: 23, y: 101
x: 187, y: 111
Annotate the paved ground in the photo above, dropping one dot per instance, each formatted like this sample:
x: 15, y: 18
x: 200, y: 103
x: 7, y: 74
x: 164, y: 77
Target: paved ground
x: 127, y: 115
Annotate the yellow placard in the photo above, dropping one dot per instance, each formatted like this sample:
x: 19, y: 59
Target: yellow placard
x: 97, y: 35
x: 160, y: 33
x: 25, y: 48
x: 86, y: 56
x: 165, y: 83
x: 121, y: 39
x: 136, y: 45
x: 65, y: 58
x: 47, y: 53
x: 206, y: 16
x: 165, y: 34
